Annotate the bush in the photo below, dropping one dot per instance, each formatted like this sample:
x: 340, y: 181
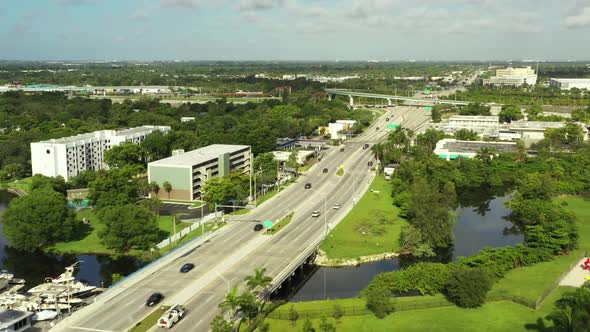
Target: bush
x: 307, y: 326
x: 293, y: 315
x: 379, y: 302
x: 338, y: 312
x: 468, y: 287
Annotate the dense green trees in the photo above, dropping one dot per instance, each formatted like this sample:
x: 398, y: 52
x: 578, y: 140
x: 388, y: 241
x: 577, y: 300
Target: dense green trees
x: 114, y: 187
x: 475, y: 109
x: 38, y: 220
x: 510, y: 113
x: 466, y: 135
x: 128, y: 226
x: 224, y: 190
x: 572, y: 312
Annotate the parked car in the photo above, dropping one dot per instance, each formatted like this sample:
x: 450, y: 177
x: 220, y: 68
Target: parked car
x: 336, y: 206
x: 154, y: 299
x: 307, y: 185
x: 325, y: 170
x: 187, y: 267
x: 315, y: 214
x: 258, y: 227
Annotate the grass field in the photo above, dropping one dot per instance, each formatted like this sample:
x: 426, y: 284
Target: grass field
x: 372, y: 227
x: 23, y: 184
x: 91, y: 242
x: 197, y: 232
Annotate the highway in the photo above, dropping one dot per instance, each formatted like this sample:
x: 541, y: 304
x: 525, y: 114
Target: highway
x: 236, y: 250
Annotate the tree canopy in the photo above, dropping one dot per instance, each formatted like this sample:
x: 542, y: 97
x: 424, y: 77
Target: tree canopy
x: 128, y: 226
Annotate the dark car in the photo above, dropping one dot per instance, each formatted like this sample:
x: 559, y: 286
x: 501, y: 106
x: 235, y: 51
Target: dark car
x: 365, y: 146
x: 258, y: 227
x: 307, y: 185
x: 370, y: 164
x: 187, y: 267
x: 377, y: 128
x: 341, y: 149
x: 325, y: 170
x: 154, y: 299
x: 386, y: 119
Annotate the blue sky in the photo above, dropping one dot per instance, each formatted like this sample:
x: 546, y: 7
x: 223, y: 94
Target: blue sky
x: 294, y: 29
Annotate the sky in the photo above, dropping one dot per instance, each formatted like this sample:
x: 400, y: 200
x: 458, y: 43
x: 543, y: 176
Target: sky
x: 443, y: 30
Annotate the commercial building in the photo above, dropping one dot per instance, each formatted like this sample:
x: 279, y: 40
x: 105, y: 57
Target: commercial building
x: 512, y: 77
x: 450, y: 149
x: 339, y: 129
x: 302, y: 155
x: 187, y: 172
x: 69, y: 156
x: 570, y: 83
x: 484, y: 126
x: 286, y: 143
x: 532, y: 130
x: 15, y: 320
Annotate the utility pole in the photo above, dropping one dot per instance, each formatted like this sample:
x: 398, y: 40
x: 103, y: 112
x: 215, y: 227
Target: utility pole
x: 325, y: 214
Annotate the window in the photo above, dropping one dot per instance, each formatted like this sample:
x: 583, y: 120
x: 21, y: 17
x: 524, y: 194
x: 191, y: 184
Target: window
x: 20, y: 324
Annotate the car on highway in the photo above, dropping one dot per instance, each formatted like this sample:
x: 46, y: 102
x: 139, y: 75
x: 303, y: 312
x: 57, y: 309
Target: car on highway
x: 377, y: 128
x: 325, y: 170
x: 341, y: 149
x: 307, y: 185
x: 187, y: 267
x: 315, y: 214
x: 386, y: 119
x: 336, y: 206
x: 365, y: 146
x: 154, y: 299
x: 258, y: 227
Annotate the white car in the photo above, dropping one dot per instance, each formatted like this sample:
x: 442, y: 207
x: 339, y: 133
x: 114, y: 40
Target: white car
x: 315, y: 214
x: 171, y: 316
x: 336, y: 206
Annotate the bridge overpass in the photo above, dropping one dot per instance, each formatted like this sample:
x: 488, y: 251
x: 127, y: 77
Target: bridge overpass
x: 390, y: 98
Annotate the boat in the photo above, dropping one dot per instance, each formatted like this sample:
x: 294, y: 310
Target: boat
x: 44, y: 315
x: 65, y: 285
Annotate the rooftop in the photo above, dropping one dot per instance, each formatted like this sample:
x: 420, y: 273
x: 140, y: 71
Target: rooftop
x: 452, y: 145
x: 9, y: 316
x: 475, y: 117
x: 139, y: 130
x: 198, y: 156
x: 572, y: 80
x: 535, y: 125
x: 103, y: 133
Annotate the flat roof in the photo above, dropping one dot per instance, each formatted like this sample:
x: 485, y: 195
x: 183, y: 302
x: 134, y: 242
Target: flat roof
x: 102, y: 133
x: 536, y: 125
x: 572, y: 80
x: 9, y: 316
x: 198, y: 156
x: 142, y: 129
x: 455, y: 146
x: 475, y: 117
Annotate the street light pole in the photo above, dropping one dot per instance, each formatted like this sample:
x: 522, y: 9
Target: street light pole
x: 325, y: 214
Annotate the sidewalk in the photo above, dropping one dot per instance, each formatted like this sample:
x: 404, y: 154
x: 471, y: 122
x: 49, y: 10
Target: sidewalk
x: 575, y: 278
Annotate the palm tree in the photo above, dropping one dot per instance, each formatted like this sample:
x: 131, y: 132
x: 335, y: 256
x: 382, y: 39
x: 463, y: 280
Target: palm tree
x: 155, y: 187
x: 231, y: 301
x: 259, y: 279
x: 167, y: 187
x: 485, y: 154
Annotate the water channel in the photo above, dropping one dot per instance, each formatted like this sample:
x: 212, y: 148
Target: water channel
x: 480, y: 223
x: 35, y: 267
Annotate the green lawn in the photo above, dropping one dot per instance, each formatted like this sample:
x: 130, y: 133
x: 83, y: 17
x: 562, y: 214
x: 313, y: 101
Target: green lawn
x: 23, y: 184
x: 91, y: 242
x: 197, y: 232
x: 372, y: 227
x: 280, y: 225
x: 149, y: 322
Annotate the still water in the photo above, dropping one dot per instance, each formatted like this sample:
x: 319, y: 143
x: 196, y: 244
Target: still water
x: 480, y: 223
x: 35, y: 267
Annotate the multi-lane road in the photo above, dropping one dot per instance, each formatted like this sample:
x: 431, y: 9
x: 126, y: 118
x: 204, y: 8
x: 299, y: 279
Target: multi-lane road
x: 236, y: 250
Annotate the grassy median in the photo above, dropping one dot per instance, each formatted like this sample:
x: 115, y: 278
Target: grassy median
x: 372, y: 227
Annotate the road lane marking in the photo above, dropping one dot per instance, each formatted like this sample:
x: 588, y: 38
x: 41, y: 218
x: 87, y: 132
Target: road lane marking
x: 88, y: 329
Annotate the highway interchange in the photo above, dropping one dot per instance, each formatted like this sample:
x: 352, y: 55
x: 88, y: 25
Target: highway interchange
x: 236, y: 250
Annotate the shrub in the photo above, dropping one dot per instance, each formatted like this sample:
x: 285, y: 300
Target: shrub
x: 338, y: 312
x: 468, y: 287
x: 307, y: 326
x: 293, y: 315
x: 379, y: 302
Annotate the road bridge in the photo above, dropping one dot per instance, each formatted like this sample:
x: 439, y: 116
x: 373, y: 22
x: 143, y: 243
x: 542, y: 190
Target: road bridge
x: 390, y: 98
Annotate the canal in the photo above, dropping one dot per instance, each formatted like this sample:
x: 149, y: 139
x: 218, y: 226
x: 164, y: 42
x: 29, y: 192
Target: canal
x: 35, y: 267
x: 480, y: 223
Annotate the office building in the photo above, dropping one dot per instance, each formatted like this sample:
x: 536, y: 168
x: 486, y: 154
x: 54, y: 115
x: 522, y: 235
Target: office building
x: 69, y: 156
x: 533, y: 130
x: 484, y: 126
x: 187, y: 172
x: 570, y: 83
x: 512, y: 77
x: 450, y: 149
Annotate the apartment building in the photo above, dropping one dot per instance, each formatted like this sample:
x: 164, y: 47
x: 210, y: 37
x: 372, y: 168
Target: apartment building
x: 187, y: 172
x: 69, y: 156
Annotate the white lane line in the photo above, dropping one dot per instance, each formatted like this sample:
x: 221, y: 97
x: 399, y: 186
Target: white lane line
x: 88, y: 329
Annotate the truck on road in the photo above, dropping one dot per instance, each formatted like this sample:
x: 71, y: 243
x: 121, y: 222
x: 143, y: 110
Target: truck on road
x: 171, y: 316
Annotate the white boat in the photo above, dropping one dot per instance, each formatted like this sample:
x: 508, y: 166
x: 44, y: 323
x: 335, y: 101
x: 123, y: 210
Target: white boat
x: 44, y: 315
x: 54, y: 306
x: 65, y: 285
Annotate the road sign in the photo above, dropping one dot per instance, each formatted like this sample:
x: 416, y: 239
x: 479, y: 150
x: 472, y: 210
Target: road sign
x: 428, y: 108
x: 267, y: 224
x: 392, y: 126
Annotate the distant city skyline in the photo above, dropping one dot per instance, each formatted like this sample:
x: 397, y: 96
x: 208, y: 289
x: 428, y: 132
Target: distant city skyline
x: 315, y: 30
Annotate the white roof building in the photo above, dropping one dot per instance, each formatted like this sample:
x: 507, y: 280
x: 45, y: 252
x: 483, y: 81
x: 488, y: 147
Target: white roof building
x: 337, y: 130
x: 512, y: 77
x: 569, y: 83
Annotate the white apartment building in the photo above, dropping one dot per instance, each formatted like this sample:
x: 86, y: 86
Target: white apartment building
x: 69, y: 156
x: 335, y: 129
x: 570, y: 83
x: 512, y: 77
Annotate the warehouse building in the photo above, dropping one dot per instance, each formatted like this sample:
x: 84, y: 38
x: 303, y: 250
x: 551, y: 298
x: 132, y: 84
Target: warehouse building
x: 187, y: 172
x: 69, y: 156
x: 570, y: 83
x: 450, y: 149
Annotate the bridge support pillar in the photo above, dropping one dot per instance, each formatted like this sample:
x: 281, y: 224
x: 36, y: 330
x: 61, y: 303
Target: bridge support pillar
x: 389, y: 102
x: 351, y: 102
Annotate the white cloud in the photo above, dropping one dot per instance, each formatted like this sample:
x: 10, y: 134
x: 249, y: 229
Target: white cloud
x: 255, y: 5
x: 578, y: 20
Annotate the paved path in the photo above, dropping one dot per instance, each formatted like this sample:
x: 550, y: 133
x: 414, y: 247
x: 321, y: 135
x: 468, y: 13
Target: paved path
x: 575, y: 277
